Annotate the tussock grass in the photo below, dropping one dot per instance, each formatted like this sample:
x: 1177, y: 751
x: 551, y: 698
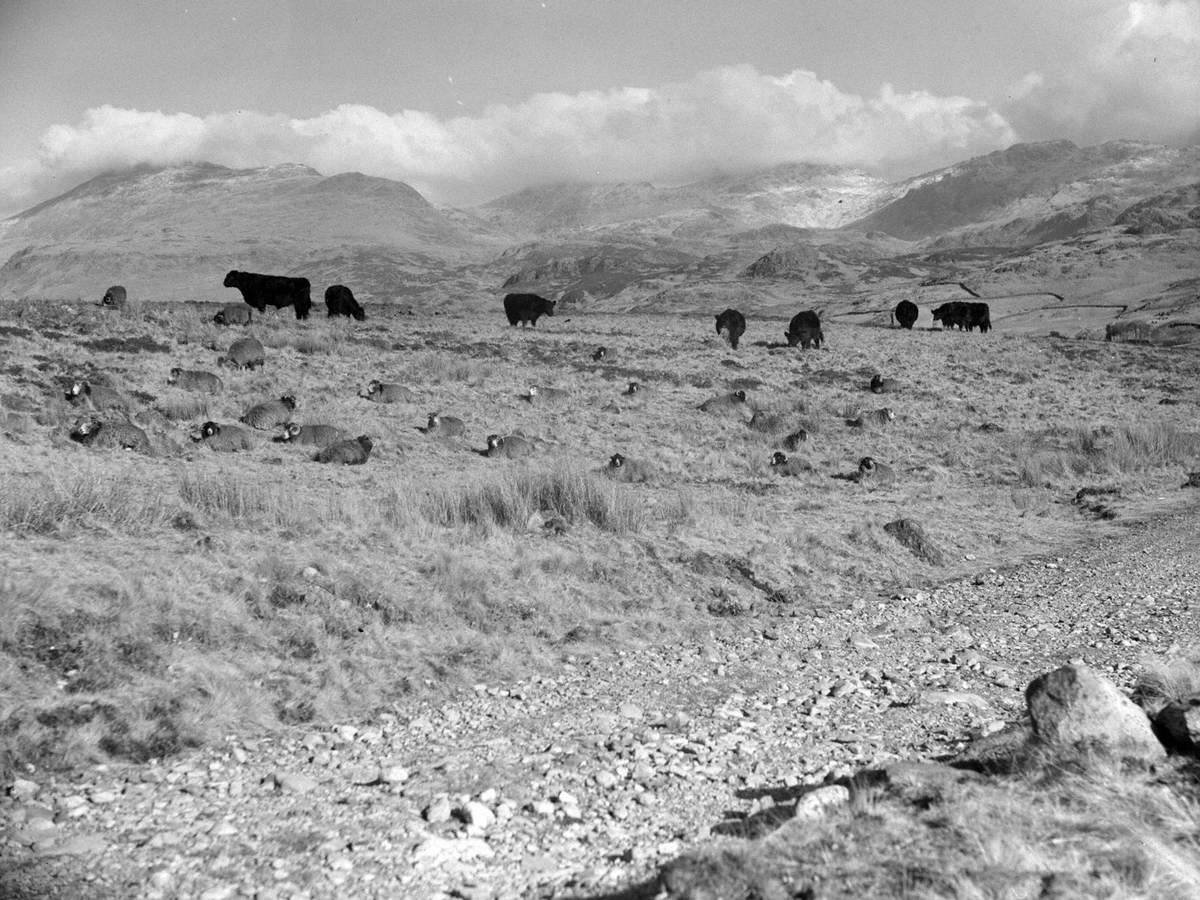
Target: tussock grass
x: 239, y: 498
x: 510, y: 499
x: 50, y: 504
x: 1128, y: 449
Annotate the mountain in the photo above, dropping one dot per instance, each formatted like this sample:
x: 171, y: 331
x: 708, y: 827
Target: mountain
x: 1031, y: 193
x: 173, y: 233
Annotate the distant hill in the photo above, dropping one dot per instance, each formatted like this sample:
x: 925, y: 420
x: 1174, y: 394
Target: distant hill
x: 173, y: 233
x: 1032, y: 193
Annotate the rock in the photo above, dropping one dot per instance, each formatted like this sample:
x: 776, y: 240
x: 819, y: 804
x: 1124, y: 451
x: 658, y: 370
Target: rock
x: 294, y: 782
x: 23, y: 789
x: 1073, y: 706
x: 219, y: 892
x: 816, y: 803
x: 954, y: 698
x: 476, y: 814
x: 542, y: 807
x: 365, y: 775
x: 910, y: 534
x: 394, y: 774
x: 439, y: 851
x: 79, y: 845
x: 630, y: 711
x: 438, y: 811
x: 1178, y: 724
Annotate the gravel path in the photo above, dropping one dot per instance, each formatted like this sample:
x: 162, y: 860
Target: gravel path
x: 582, y: 783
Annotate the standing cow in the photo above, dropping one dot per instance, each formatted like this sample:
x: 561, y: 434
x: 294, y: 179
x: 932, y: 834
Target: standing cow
x: 526, y: 308
x: 732, y: 324
x: 805, y: 330
x: 261, y: 291
x: 339, y: 301
x: 905, y: 314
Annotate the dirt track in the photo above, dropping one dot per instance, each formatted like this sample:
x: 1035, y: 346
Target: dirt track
x: 597, y: 774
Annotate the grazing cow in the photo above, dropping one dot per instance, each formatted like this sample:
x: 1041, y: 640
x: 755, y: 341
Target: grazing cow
x: 445, y: 426
x: 629, y: 471
x: 244, y: 353
x: 979, y: 316
x: 339, y: 301
x: 114, y: 297
x: 782, y: 465
x: 881, y: 385
x: 225, y: 438
x: 949, y: 314
x: 725, y: 403
x: 805, y: 330
x: 871, y: 471
x: 905, y: 314
x: 731, y: 324
x: 261, y: 291
x: 353, y: 452
x: 965, y: 316
x: 233, y: 314
x: 510, y: 446
x: 320, y: 436
x: 98, y: 396
x: 272, y: 414
x: 196, y: 381
x: 110, y: 435
x: 385, y: 392
x: 527, y: 308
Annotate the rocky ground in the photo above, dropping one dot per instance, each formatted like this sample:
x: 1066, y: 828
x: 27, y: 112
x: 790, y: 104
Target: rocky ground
x: 584, y: 781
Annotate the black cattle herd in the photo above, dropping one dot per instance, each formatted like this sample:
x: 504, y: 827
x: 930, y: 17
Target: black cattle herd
x: 334, y: 445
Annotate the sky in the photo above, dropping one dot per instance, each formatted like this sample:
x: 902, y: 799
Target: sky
x: 469, y: 99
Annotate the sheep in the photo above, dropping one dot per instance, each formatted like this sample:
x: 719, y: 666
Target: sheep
x: 194, y: 380
x: 781, y: 464
x: 110, y: 435
x: 881, y: 385
x: 272, y: 414
x: 225, y: 438
x: 352, y: 452
x: 542, y: 395
x: 630, y: 471
x: 510, y: 446
x: 735, y: 402
x: 795, y: 439
x: 873, y: 417
x: 244, y: 353
x: 310, y: 435
x: 114, y: 297
x: 234, y: 314
x: 99, y: 397
x: 383, y: 392
x: 445, y: 426
x: 870, y: 471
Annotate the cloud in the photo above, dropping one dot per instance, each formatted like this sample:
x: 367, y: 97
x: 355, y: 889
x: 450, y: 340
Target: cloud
x: 724, y: 119
x: 1135, y: 75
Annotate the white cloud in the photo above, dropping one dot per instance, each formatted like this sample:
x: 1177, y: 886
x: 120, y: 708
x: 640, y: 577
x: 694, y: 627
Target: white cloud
x: 1136, y: 75
x: 727, y: 118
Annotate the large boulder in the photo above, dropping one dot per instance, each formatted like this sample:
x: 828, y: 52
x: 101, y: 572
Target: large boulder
x: 1073, y: 707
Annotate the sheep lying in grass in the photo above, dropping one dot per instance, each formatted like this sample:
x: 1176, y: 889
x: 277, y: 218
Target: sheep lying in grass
x: 445, y: 426
x: 194, y: 380
x: 271, y: 414
x: 509, y: 446
x: 99, y: 397
x: 870, y: 471
x: 225, y: 438
x: 310, y: 435
x: 630, y: 471
x: 353, y: 452
x: 735, y: 402
x: 244, y: 353
x: 386, y: 392
x: 110, y: 435
x: 781, y: 464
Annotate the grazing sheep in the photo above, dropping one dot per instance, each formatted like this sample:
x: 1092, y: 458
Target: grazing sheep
x: 541, y: 395
x: 445, y: 426
x: 873, y: 417
x: 384, y: 392
x: 600, y: 354
x: 633, y: 389
x: 872, y: 472
x: 244, y: 353
x: 630, y: 471
x: 795, y: 439
x: 352, y: 452
x: 310, y: 435
x: 194, y: 380
x: 735, y: 402
x: 234, y: 314
x: 782, y: 465
x: 110, y: 435
x: 881, y: 385
x: 114, y: 298
x: 99, y: 397
x: 510, y: 446
x: 272, y: 414
x: 225, y: 438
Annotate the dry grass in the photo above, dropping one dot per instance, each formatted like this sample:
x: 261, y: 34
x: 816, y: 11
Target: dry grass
x: 426, y: 567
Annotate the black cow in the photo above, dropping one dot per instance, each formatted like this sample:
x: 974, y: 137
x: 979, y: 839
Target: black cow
x: 339, y: 301
x: 260, y: 291
x: 963, y: 315
x: 906, y: 313
x: 979, y: 316
x: 805, y: 330
x: 526, y: 308
x: 732, y: 324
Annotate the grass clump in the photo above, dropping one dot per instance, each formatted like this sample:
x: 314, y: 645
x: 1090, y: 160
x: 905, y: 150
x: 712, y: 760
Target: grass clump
x: 510, y: 500
x: 47, y: 505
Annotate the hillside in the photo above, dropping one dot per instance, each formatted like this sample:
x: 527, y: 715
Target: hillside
x: 173, y: 233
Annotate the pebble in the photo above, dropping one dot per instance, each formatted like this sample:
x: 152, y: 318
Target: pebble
x: 294, y: 782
